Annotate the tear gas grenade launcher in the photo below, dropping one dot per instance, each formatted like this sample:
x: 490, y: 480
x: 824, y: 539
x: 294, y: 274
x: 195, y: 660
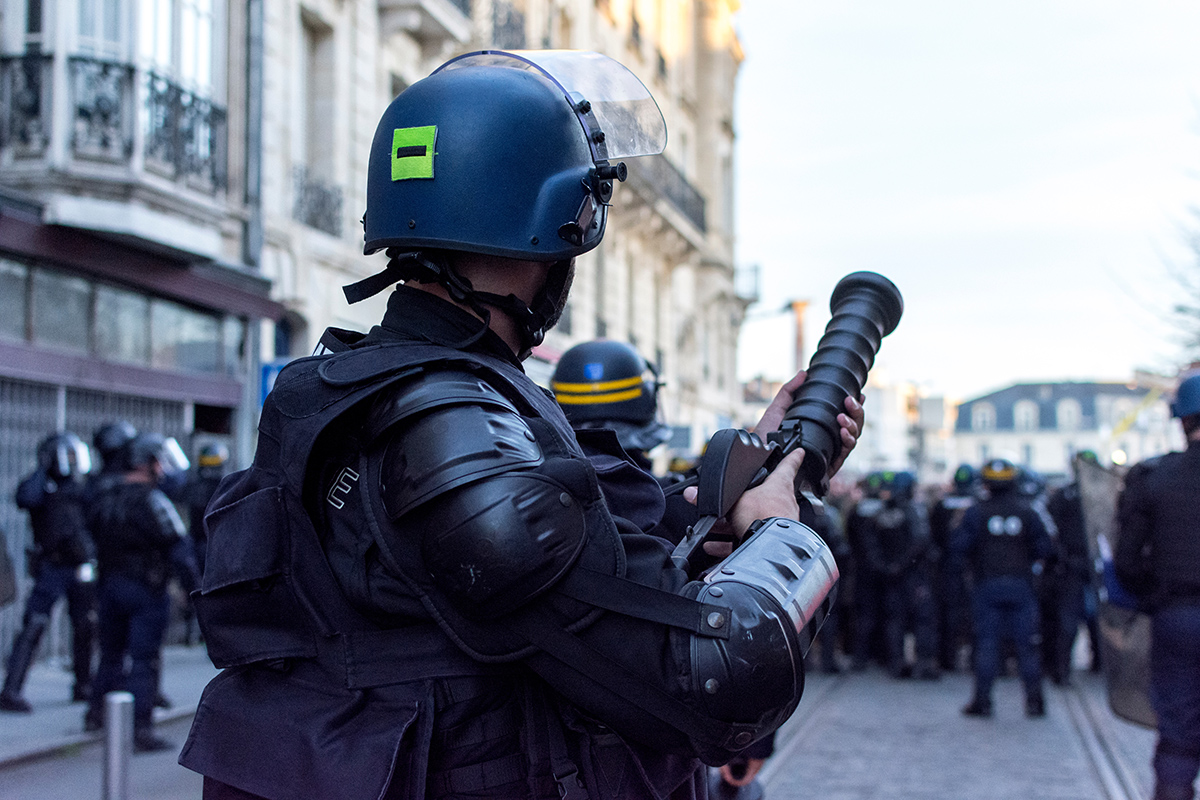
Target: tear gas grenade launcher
x: 866, y: 307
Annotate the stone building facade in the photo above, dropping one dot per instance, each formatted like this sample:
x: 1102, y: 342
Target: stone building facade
x: 663, y: 277
x: 1043, y: 425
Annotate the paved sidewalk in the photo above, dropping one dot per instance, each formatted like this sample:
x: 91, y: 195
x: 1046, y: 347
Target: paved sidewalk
x: 56, y: 723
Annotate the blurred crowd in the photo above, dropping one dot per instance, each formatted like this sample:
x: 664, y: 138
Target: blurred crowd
x: 929, y: 573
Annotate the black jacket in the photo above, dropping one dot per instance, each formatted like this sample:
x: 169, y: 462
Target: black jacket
x: 1158, y: 552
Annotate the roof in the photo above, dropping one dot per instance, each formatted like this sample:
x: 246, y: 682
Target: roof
x: 1047, y: 396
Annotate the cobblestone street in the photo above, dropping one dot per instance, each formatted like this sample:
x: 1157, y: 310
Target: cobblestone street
x: 866, y: 736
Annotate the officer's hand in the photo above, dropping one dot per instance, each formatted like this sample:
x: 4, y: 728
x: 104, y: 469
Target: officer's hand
x: 851, y: 422
x: 774, y: 497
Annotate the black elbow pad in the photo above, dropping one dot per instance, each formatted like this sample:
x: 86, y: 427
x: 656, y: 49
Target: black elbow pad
x: 779, y: 588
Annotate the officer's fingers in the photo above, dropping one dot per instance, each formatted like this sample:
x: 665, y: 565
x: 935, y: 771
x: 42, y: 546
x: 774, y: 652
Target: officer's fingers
x: 718, y: 549
x: 773, y: 416
x: 690, y: 493
x: 783, y: 477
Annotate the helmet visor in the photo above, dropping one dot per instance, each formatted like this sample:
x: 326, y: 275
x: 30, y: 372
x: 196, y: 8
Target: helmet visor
x: 618, y: 105
x: 71, y: 457
x: 172, y: 458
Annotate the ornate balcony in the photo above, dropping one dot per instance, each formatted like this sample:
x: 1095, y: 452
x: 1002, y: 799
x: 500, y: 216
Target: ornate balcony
x: 113, y: 110
x: 658, y: 175
x: 429, y: 21
x: 25, y: 104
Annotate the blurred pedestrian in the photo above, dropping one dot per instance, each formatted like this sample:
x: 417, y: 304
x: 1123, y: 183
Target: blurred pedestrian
x: 1158, y: 560
x: 61, y: 563
x: 140, y: 541
x: 1004, y: 540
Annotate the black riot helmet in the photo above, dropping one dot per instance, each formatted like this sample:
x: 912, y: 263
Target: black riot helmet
x: 999, y: 475
x: 211, y: 460
x: 111, y: 441
x: 64, y: 456
x: 607, y: 384
x: 505, y: 154
x: 964, y: 479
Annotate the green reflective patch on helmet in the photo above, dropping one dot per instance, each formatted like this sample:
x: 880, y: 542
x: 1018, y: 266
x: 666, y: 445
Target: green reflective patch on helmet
x: 412, y: 152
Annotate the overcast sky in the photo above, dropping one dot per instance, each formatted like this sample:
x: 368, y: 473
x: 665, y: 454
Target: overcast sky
x: 1021, y: 170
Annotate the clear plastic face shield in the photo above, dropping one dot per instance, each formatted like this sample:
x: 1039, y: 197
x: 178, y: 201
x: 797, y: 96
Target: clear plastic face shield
x: 71, y: 458
x: 619, y: 116
x: 171, y: 457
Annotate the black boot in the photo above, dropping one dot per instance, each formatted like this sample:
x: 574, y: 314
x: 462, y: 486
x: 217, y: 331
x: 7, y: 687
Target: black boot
x: 1035, y: 706
x: 978, y: 707
x: 18, y: 664
x: 145, y: 741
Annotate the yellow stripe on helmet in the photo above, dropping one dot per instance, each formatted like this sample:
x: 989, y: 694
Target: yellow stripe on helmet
x: 597, y: 387
x: 597, y: 399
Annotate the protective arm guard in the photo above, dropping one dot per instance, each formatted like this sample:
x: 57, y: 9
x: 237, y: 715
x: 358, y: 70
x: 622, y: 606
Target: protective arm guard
x: 497, y: 520
x: 779, y: 587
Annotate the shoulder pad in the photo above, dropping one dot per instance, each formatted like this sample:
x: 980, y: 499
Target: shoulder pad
x: 448, y: 431
x: 431, y: 391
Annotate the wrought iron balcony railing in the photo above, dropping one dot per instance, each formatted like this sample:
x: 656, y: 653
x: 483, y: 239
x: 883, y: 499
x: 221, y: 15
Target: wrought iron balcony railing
x: 668, y: 181
x: 25, y: 104
x: 183, y: 135
x: 316, y: 204
x: 186, y: 133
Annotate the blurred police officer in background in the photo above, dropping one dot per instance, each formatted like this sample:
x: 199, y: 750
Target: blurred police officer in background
x: 1069, y: 576
x: 140, y: 543
x: 1158, y: 560
x: 1004, y: 540
x: 211, y: 463
x: 898, y: 548
x: 950, y: 589
x: 425, y: 587
x: 61, y: 563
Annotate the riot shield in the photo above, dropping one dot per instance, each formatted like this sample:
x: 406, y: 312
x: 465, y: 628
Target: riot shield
x: 1124, y: 630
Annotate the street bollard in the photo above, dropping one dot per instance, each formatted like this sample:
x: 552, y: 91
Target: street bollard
x: 118, y: 744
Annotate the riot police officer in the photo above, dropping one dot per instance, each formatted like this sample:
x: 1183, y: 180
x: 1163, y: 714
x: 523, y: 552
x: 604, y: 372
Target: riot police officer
x: 201, y: 486
x: 61, y: 563
x: 868, y: 580
x: 1004, y: 539
x: 1158, y: 559
x: 950, y: 590
x: 897, y: 547
x: 608, y: 385
x: 1069, y: 575
x: 140, y: 544
x: 425, y: 589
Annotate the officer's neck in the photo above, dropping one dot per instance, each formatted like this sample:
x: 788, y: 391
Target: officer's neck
x: 502, y: 276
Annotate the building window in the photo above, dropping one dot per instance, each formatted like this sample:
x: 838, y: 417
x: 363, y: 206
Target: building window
x: 100, y: 28
x: 61, y: 306
x: 983, y: 417
x: 1068, y: 415
x: 13, y: 299
x: 985, y: 453
x: 122, y: 325
x: 1027, y: 455
x: 66, y: 312
x: 1025, y: 415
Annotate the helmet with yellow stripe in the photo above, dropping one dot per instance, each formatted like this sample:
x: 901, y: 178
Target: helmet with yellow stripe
x: 607, y: 384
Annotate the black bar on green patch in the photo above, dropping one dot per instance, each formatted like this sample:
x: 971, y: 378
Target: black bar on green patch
x: 408, y: 152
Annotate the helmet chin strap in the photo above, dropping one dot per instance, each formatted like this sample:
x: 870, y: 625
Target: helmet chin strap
x: 434, y: 267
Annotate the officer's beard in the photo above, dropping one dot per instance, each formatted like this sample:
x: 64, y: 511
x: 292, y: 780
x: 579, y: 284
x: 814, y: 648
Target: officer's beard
x: 560, y: 303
